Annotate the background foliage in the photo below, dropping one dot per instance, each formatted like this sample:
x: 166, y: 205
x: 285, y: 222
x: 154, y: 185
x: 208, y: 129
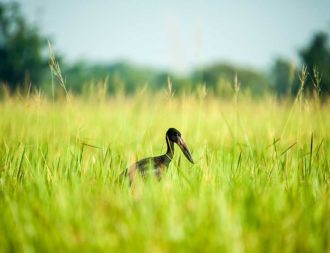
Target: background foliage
x: 24, y: 57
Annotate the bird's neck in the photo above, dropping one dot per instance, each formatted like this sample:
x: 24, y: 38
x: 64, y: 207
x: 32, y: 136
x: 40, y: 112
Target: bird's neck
x: 170, y: 149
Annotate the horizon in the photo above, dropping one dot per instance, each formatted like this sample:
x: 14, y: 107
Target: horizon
x: 179, y: 37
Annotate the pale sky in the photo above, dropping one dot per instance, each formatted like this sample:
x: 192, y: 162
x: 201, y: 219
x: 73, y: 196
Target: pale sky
x: 179, y: 35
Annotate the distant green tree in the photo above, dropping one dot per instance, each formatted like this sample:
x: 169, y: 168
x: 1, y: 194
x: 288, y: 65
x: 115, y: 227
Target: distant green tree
x: 317, y: 56
x: 282, y: 77
x: 217, y: 75
x: 21, y: 49
x: 121, y: 76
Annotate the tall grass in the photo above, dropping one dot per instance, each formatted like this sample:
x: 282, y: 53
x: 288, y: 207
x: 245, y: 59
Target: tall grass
x: 257, y: 186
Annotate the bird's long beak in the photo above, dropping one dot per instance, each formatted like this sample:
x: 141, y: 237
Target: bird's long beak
x: 185, y: 149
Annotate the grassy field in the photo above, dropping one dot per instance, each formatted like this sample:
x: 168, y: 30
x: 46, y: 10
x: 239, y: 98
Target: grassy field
x: 260, y: 182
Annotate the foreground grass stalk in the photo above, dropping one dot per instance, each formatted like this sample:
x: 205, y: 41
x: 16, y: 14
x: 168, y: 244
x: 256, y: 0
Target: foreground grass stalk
x: 55, y: 70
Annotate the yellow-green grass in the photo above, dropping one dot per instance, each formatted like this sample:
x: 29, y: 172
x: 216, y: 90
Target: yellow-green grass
x: 260, y: 182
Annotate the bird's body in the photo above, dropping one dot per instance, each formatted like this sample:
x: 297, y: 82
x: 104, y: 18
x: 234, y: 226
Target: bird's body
x: 158, y: 164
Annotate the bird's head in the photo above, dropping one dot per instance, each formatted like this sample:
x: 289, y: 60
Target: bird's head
x: 174, y: 135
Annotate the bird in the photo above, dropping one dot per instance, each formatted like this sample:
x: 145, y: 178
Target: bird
x: 159, y: 164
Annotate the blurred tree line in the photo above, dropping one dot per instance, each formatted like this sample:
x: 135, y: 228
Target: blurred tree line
x: 22, y: 56
x: 24, y: 61
x: 315, y: 57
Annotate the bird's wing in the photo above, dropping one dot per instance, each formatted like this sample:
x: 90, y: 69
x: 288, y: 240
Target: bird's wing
x: 143, y: 166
